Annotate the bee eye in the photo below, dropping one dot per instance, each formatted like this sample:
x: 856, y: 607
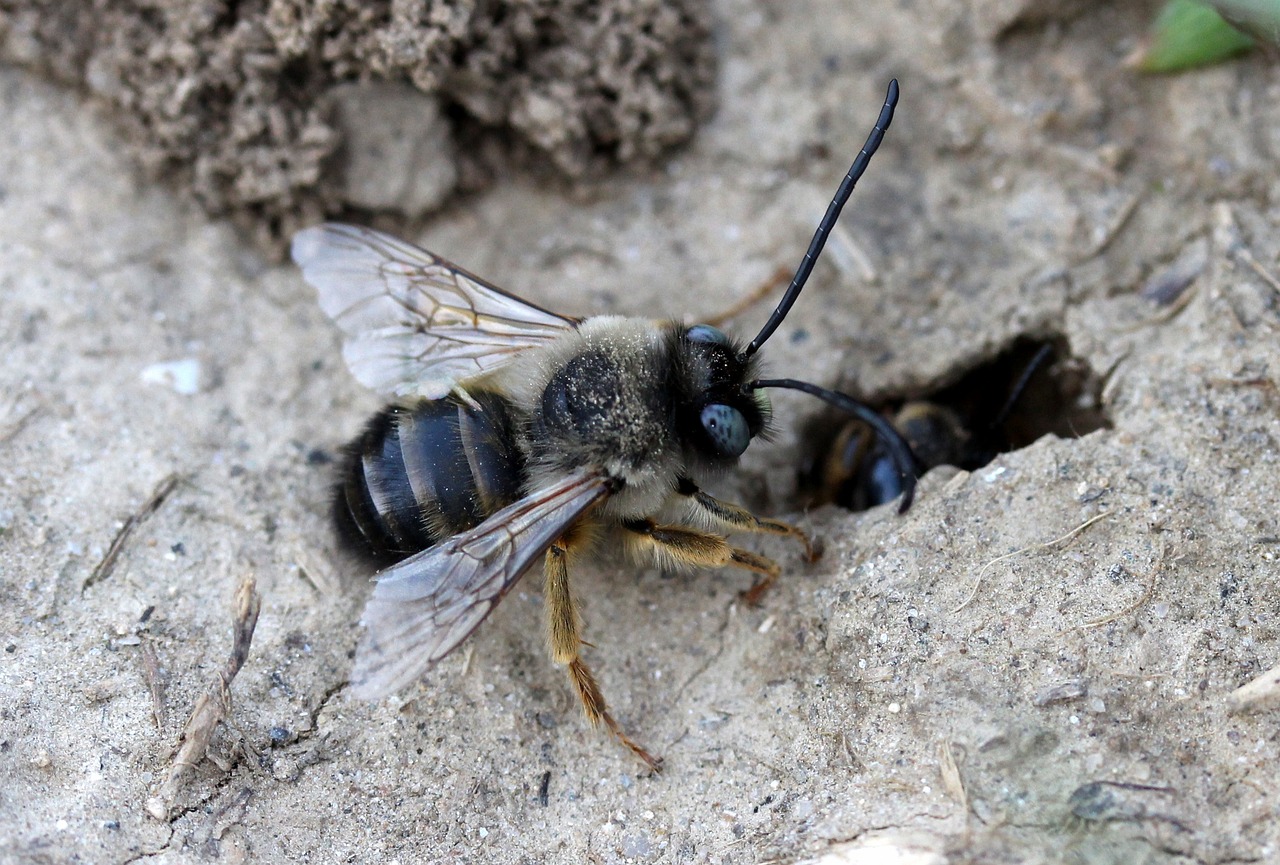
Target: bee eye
x: 727, y: 429
x: 707, y: 333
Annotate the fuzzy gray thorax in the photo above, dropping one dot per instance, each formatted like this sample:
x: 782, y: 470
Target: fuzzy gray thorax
x: 599, y: 397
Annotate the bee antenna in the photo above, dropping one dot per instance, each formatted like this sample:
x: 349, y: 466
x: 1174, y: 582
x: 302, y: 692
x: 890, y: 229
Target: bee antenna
x: 903, y: 458
x: 1020, y: 386
x: 828, y: 221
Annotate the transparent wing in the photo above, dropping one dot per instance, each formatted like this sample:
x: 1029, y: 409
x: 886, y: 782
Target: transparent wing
x: 423, y: 607
x: 415, y: 323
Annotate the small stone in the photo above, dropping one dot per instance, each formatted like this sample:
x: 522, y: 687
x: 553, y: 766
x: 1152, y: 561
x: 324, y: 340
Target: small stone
x: 399, y: 148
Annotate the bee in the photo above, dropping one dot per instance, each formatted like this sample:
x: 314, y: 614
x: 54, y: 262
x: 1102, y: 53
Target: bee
x: 517, y: 434
x: 856, y: 470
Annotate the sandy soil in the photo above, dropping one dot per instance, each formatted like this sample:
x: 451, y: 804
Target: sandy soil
x: 962, y: 683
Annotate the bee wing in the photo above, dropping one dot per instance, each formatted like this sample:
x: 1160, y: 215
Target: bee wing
x: 415, y: 323
x: 423, y: 607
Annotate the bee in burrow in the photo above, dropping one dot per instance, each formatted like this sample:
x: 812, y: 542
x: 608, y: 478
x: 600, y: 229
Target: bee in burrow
x: 855, y: 469
x: 518, y: 434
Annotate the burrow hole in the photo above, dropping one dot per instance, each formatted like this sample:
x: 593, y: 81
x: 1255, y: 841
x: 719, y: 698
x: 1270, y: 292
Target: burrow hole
x: 1033, y: 388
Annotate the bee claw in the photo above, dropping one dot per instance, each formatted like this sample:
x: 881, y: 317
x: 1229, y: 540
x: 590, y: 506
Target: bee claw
x: 654, y: 763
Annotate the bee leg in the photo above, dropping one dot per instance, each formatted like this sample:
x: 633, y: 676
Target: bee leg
x: 678, y: 545
x: 563, y: 626
x: 737, y: 518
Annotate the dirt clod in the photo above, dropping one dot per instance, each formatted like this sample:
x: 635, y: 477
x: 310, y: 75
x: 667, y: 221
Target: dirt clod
x: 241, y: 103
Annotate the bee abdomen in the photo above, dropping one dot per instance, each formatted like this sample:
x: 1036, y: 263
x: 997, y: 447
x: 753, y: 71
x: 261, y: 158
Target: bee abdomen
x: 427, y: 470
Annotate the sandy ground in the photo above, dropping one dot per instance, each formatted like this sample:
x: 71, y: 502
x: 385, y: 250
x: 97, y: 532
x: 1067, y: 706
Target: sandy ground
x: 951, y: 684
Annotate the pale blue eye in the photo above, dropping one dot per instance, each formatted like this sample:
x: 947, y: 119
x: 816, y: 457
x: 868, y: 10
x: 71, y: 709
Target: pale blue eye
x: 707, y: 333
x: 727, y: 429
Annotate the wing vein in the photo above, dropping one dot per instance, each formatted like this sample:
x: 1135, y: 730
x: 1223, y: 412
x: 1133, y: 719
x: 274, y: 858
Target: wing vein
x: 424, y: 606
x: 415, y: 324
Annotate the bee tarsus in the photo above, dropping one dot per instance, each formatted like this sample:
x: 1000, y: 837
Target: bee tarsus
x: 563, y: 637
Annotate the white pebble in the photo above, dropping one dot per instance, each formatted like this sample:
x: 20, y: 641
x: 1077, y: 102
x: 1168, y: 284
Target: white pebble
x: 182, y: 376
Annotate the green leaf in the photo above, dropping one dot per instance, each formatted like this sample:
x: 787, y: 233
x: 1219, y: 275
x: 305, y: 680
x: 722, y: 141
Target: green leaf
x: 1259, y: 18
x: 1186, y: 34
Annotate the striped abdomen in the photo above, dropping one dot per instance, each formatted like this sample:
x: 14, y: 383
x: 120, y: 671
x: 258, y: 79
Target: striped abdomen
x: 424, y: 471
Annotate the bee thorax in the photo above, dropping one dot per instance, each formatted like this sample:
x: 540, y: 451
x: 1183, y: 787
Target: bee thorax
x: 607, y: 405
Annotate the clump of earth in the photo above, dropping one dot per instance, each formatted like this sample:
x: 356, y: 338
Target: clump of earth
x: 276, y: 114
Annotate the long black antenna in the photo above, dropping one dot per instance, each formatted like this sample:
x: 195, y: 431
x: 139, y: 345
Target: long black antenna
x: 828, y: 221
x: 903, y: 458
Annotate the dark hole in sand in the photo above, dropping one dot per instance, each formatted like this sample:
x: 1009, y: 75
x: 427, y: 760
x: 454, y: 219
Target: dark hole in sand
x: 1033, y: 388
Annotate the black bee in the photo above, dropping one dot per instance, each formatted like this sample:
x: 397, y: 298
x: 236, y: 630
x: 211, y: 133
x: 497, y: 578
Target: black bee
x: 519, y: 434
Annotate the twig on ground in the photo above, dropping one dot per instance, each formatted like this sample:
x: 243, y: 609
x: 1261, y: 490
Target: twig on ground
x: 1044, y: 547
x: 155, y: 682
x: 213, y: 706
x: 1146, y: 595
x: 149, y: 507
x: 757, y: 294
x: 1260, y: 693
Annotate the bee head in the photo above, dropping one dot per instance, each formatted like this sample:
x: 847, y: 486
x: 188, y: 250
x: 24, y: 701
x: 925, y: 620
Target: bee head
x: 724, y: 408
x: 718, y: 413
